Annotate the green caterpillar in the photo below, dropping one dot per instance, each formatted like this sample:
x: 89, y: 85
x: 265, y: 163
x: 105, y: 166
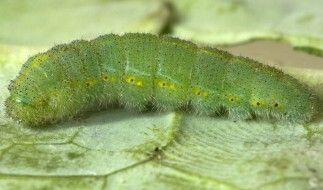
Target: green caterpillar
x: 136, y: 70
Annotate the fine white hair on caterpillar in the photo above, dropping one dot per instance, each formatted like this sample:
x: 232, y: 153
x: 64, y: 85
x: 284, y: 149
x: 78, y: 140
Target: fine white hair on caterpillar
x: 136, y: 70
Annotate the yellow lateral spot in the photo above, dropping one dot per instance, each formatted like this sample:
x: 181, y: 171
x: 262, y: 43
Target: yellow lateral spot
x: 199, y: 92
x: 108, y: 78
x: 232, y: 98
x: 132, y: 80
x: 164, y: 84
x: 139, y: 83
x: 105, y: 77
x: 258, y: 103
x: 172, y: 86
x: 90, y: 83
x: 276, y: 105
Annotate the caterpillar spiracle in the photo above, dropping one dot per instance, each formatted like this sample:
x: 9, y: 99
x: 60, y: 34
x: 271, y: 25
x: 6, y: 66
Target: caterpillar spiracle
x: 136, y: 70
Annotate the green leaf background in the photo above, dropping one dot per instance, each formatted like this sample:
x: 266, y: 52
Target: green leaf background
x: 116, y: 149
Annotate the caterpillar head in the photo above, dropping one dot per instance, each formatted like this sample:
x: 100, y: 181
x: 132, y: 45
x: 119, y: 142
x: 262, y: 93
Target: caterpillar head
x: 36, y: 109
x: 28, y: 110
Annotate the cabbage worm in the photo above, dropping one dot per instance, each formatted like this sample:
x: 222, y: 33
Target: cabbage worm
x: 135, y: 70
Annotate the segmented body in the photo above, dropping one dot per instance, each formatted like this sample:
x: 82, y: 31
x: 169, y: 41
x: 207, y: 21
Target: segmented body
x: 140, y: 69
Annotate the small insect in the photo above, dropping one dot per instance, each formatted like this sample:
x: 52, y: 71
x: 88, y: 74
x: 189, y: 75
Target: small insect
x: 136, y: 70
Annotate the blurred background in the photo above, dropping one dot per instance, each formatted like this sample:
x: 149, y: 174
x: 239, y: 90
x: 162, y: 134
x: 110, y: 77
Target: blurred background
x: 119, y: 150
x: 295, y: 24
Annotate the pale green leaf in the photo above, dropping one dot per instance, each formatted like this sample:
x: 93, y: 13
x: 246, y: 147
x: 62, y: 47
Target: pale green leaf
x: 116, y: 149
x: 225, y: 22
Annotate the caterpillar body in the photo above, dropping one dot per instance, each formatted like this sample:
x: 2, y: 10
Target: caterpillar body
x: 136, y: 70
